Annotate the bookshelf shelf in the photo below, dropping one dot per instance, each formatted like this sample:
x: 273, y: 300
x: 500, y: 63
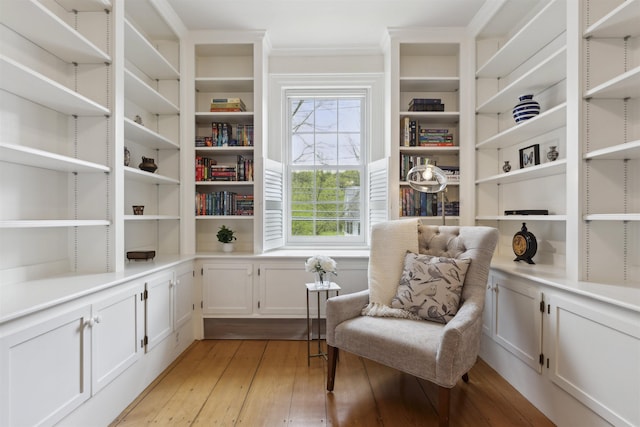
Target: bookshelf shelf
x: 625, y: 85
x: 31, y: 85
x: 539, y: 171
x: 46, y: 160
x: 432, y: 84
x: 542, y: 76
x: 151, y: 217
x: 537, y: 126
x: 148, y: 177
x: 224, y: 84
x: 421, y: 150
x: 521, y: 218
x: 146, y: 136
x: 539, y: 31
x: 37, y: 23
x: 612, y: 217
x: 620, y: 22
x: 433, y: 116
x: 146, y: 97
x: 229, y: 117
x: 54, y: 223
x: 626, y: 151
x: 85, y: 5
x: 140, y: 52
x: 225, y: 183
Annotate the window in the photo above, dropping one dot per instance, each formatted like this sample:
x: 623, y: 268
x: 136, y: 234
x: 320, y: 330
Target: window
x: 326, y: 166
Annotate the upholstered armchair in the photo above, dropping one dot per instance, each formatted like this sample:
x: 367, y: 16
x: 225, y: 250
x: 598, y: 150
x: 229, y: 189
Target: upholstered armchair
x: 388, y: 324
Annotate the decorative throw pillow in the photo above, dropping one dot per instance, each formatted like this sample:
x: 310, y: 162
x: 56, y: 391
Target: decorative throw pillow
x: 430, y: 286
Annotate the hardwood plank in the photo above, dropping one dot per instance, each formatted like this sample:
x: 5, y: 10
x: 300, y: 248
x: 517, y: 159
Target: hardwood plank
x: 352, y: 402
x: 308, y: 401
x: 187, y: 401
x: 399, y: 397
x: 269, y: 398
x: 223, y: 405
x: 157, y: 394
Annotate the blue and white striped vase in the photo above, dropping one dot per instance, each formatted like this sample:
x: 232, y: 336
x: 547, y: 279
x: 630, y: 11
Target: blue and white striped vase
x: 525, y: 109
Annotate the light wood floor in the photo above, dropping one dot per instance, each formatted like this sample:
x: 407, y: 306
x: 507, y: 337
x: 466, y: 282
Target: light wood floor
x: 268, y: 383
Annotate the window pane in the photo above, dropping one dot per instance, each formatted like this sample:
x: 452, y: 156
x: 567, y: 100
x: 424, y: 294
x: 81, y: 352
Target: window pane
x: 326, y: 115
x: 349, y: 148
x: 327, y: 149
x: 302, y: 149
x: 302, y: 111
x: 349, y: 115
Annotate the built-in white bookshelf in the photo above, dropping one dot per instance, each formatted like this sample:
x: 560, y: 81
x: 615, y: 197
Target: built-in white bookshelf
x: 55, y: 146
x: 226, y: 68
x: 152, y: 129
x: 423, y: 65
x: 522, y: 50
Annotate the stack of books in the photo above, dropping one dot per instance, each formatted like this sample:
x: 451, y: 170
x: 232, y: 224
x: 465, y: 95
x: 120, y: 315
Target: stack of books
x: 227, y: 105
x: 430, y: 137
x: 426, y: 104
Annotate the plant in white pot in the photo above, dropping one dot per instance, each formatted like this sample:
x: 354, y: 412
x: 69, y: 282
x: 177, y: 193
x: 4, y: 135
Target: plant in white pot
x: 226, y: 237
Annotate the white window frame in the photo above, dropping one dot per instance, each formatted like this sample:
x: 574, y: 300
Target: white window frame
x: 330, y: 92
x: 376, y: 147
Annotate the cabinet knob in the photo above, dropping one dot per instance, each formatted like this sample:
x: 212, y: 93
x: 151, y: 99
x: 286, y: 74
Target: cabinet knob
x: 93, y: 320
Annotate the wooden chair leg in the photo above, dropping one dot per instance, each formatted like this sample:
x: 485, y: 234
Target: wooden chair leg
x: 465, y: 377
x: 443, y: 406
x: 332, y: 358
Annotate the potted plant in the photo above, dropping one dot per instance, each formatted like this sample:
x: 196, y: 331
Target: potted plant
x: 226, y: 237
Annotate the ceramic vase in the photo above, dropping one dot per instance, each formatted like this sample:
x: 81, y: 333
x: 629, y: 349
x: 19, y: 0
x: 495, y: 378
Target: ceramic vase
x: 552, y: 154
x: 526, y: 109
x: 148, y: 164
x: 506, y: 167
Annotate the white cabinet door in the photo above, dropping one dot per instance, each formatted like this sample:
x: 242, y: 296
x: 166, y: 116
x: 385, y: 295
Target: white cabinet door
x: 184, y: 296
x: 517, y: 319
x: 596, y: 357
x: 487, y: 314
x: 227, y: 288
x: 45, y: 370
x: 117, y: 330
x: 158, y: 308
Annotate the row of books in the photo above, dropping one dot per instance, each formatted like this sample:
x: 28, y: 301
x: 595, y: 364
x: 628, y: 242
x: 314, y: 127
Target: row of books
x: 426, y: 104
x: 227, y: 105
x: 417, y: 203
x: 225, y: 134
x: 452, y: 172
x: 414, y: 135
x: 408, y: 161
x: 208, y: 169
x: 224, y: 203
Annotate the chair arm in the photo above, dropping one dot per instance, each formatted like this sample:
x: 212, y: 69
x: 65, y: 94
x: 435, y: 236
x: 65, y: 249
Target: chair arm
x: 460, y: 343
x: 344, y: 307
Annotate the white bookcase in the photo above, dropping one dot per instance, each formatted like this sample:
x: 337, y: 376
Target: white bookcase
x: 610, y: 143
x: 228, y: 65
x: 428, y: 64
x: 57, y: 153
x: 152, y: 130
x: 522, y: 50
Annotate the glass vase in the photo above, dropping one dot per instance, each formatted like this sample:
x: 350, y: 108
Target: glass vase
x: 322, y: 280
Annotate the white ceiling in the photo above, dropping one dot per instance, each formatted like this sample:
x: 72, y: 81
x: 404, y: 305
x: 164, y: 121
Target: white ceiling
x: 340, y: 24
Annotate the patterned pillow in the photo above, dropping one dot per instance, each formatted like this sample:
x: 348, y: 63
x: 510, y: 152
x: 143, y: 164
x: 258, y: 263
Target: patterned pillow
x: 430, y: 286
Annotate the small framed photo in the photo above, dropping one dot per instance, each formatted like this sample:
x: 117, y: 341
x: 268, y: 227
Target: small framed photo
x: 530, y: 156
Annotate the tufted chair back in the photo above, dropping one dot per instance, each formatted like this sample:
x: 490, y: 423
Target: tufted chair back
x: 461, y: 243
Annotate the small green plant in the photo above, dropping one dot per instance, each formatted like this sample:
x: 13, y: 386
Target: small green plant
x: 225, y: 235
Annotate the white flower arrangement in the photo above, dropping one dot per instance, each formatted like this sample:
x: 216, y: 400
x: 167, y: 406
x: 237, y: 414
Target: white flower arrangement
x: 320, y: 264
